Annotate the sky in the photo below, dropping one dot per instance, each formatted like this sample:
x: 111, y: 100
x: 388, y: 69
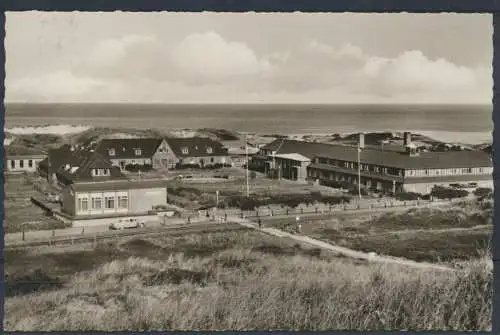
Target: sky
x: 248, y: 58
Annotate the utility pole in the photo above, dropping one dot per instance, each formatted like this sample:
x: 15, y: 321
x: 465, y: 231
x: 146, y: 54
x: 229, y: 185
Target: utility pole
x: 246, y: 155
x: 359, y: 171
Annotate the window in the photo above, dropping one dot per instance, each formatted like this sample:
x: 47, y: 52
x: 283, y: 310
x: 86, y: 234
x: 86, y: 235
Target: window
x: 21, y: 163
x: 123, y: 202
x: 209, y: 150
x: 105, y: 172
x: 185, y: 151
x: 211, y: 160
x: 426, y: 172
x: 109, y: 202
x: 112, y: 152
x: 13, y: 164
x: 97, y: 203
x: 30, y: 163
x: 83, y: 204
x: 138, y: 152
x: 469, y: 170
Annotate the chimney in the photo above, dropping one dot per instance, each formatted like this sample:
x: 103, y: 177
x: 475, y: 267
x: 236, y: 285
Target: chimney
x: 361, y: 141
x: 407, y: 138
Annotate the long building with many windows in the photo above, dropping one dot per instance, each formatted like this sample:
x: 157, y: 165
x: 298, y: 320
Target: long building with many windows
x: 407, y: 170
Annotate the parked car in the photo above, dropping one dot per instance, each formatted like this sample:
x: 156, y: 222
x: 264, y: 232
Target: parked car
x: 126, y: 224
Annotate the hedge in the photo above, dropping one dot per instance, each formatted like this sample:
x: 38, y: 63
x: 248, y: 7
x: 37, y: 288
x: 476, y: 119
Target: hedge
x: 448, y: 193
x: 138, y: 167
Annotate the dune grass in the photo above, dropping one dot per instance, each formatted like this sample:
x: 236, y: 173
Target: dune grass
x: 238, y: 281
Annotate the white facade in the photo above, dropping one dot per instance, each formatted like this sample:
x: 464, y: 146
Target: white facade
x: 23, y: 163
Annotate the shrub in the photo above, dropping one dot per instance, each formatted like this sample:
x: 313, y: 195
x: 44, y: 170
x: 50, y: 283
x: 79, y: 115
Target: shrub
x: 138, y: 167
x: 483, y: 192
x: 448, y: 193
x: 408, y: 196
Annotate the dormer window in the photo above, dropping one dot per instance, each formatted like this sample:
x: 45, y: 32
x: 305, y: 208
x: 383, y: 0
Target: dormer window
x: 209, y: 150
x: 111, y: 152
x: 138, y: 152
x: 185, y: 151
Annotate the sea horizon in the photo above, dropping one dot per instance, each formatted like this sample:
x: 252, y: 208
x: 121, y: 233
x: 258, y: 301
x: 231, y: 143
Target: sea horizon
x: 469, y: 123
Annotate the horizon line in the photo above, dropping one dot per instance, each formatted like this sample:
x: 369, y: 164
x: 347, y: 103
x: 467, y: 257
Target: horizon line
x: 238, y: 103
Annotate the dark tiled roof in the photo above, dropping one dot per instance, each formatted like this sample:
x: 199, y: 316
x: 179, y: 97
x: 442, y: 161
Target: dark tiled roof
x: 197, y: 147
x: 307, y: 149
x: 86, y: 161
x: 119, y: 185
x: 125, y: 148
x: 56, y: 158
x: 426, y: 160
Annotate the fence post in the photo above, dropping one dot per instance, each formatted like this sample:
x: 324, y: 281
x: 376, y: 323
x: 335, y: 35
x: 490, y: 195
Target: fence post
x: 23, y: 234
x: 53, y: 233
x: 287, y: 211
x: 83, y: 230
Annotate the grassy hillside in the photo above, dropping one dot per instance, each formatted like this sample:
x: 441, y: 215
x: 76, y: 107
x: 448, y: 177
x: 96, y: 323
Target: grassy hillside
x: 235, y: 281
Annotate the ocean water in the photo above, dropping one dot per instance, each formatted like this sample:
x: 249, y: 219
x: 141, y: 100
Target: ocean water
x: 461, y: 123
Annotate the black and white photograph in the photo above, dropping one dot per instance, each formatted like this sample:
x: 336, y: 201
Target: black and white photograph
x: 248, y: 171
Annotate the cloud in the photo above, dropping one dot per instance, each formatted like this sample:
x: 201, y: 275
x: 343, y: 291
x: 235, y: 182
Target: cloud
x: 54, y: 86
x: 207, y: 67
x: 208, y: 55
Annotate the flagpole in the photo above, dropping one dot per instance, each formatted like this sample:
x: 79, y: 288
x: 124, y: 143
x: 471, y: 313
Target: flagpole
x: 246, y: 155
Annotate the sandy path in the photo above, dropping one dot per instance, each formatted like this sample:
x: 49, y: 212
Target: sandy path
x: 344, y: 251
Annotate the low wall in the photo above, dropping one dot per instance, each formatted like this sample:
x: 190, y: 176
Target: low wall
x: 107, y: 221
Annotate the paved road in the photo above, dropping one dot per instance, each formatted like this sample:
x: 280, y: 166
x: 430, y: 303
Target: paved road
x: 92, y: 230
x: 344, y: 251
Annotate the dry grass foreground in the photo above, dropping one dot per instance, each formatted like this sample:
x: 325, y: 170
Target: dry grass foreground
x: 238, y: 281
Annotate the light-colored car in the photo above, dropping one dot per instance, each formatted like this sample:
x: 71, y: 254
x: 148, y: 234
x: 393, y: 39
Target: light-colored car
x: 126, y: 224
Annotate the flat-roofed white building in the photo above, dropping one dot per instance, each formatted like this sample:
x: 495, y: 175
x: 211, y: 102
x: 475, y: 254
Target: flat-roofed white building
x: 117, y: 198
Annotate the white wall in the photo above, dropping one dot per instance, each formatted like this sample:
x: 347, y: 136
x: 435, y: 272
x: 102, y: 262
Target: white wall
x: 25, y: 161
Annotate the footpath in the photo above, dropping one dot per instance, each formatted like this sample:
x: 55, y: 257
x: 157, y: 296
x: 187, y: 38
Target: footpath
x: 340, y: 250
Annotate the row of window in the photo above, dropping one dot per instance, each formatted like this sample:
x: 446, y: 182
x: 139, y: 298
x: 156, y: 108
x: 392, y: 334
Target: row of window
x: 99, y: 203
x: 100, y: 172
x: 112, y: 152
x: 21, y: 163
x: 138, y: 152
x: 185, y: 150
x: 363, y: 166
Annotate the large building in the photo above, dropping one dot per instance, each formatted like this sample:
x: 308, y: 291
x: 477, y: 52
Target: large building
x: 19, y: 159
x: 197, y: 151
x: 67, y: 165
x: 113, y: 198
x: 147, y: 152
x: 161, y: 153
x: 407, y: 170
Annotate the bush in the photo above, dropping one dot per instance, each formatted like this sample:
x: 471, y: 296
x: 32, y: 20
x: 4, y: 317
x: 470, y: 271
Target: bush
x: 441, y: 192
x: 138, y: 167
x: 249, y: 204
x: 180, y: 166
x: 408, y: 196
x: 483, y: 192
